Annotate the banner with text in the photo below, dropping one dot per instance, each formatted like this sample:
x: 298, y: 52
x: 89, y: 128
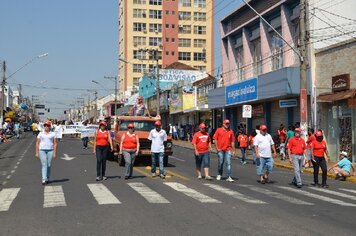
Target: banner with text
x: 242, y: 92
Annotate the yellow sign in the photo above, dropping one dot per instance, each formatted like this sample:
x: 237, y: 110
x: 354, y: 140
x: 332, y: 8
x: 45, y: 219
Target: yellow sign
x: 188, y: 101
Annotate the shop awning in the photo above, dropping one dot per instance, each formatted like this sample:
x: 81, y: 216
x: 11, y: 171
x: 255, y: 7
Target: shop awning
x: 331, y: 97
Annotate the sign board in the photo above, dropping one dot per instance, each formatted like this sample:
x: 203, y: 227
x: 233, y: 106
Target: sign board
x: 88, y: 131
x: 38, y: 106
x: 72, y: 129
x: 258, y: 111
x: 288, y: 103
x: 241, y: 92
x: 171, y: 75
x: 340, y: 82
x: 246, y: 111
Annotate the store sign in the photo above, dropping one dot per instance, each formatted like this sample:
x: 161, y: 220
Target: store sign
x: 241, y: 92
x: 288, y: 103
x: 169, y: 75
x: 37, y: 106
x: 258, y: 111
x: 246, y: 111
x: 340, y: 82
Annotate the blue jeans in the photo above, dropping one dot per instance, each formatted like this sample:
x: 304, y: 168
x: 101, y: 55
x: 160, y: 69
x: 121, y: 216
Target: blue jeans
x: 85, y: 142
x: 297, y: 164
x: 46, y: 157
x: 224, y: 156
x: 160, y: 156
x: 202, y: 158
x: 253, y: 153
x: 264, y: 164
x: 243, y: 153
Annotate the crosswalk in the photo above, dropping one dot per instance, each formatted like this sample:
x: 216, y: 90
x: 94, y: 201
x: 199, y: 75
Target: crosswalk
x: 207, y: 193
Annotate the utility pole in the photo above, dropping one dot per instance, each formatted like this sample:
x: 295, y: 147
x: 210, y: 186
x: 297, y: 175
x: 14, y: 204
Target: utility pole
x: 96, y: 105
x: 3, y: 91
x: 114, y: 78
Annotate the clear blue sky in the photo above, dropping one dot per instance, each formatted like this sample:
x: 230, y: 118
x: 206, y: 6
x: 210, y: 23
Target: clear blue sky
x: 81, y: 39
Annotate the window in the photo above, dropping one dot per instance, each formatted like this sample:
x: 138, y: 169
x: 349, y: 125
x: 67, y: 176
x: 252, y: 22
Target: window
x: 173, y: 26
x: 256, y: 57
x: 185, y: 29
x: 184, y: 56
x: 167, y: 12
x: 173, y: 12
x: 139, y: 26
x: 136, y: 81
x: 155, y: 41
x: 199, y: 43
x: 184, y: 15
x: 155, y: 14
x: 239, y: 62
x: 157, y: 28
x: 199, y: 16
x: 184, y: 42
x: 202, y: 68
x: 139, y: 1
x: 277, y: 50
x: 185, y: 3
x: 200, y: 3
x: 198, y: 56
x: 156, y: 2
x: 167, y: 40
x: 173, y: 40
x: 139, y: 41
x: 139, y: 68
x: 158, y: 53
x: 199, y: 29
x: 167, y: 53
x: 173, y: 53
x: 138, y: 54
x: 167, y: 26
x: 139, y: 13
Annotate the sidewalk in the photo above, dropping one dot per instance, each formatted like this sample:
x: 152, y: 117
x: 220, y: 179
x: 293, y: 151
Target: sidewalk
x: 277, y: 162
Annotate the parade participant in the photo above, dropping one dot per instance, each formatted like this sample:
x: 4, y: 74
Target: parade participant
x: 296, y: 152
x: 251, y: 139
x: 139, y: 109
x: 17, y: 129
x: 243, y: 143
x: 102, y: 143
x: 282, y: 135
x: 310, y: 139
x: 342, y: 169
x: 158, y: 136
x: 46, y: 150
x: 320, y: 156
x: 264, y: 162
x: 225, y: 145
x: 202, y: 145
x: 129, y: 147
x: 34, y: 128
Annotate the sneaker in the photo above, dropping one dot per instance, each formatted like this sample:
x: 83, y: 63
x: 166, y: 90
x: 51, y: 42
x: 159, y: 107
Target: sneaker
x: 153, y: 174
x: 105, y: 178
x: 229, y: 179
x: 44, y: 182
x: 199, y: 177
x: 243, y: 162
x: 97, y: 178
x: 83, y: 147
x: 325, y: 186
x: 218, y: 177
x: 337, y: 177
x: 208, y: 178
x: 126, y: 177
x: 342, y: 178
x: 162, y: 176
x: 299, y: 186
x: 315, y: 184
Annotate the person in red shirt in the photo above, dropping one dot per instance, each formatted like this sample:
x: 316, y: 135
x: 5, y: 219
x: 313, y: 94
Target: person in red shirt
x: 310, y: 139
x: 296, y: 152
x: 282, y: 136
x: 251, y: 140
x: 243, y: 144
x: 225, y: 145
x: 202, y: 145
x: 129, y: 147
x: 320, y: 156
x: 102, y: 143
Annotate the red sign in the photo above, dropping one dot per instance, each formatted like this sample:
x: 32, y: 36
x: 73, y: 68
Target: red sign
x: 340, y: 82
x: 303, y: 106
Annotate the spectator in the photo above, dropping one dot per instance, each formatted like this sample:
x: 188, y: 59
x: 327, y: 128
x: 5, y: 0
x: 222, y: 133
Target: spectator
x: 243, y: 143
x: 342, y: 169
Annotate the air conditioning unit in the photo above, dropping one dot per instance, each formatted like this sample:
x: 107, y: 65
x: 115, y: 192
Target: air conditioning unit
x: 180, y: 26
x: 156, y: 31
x: 135, y: 45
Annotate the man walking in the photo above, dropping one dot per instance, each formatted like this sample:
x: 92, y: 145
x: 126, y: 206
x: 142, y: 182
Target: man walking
x: 264, y: 162
x: 296, y: 152
x: 158, y: 136
x: 225, y: 145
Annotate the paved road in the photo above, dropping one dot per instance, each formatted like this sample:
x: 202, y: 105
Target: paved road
x: 74, y: 204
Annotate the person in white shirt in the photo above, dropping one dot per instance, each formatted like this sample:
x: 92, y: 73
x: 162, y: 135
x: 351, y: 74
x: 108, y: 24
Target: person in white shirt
x: 158, y: 136
x: 264, y: 162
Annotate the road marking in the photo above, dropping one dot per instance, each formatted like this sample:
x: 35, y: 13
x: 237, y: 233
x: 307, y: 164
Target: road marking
x: 276, y: 195
x: 335, y: 193
x: 176, y: 175
x: 191, y: 193
x: 150, y: 195
x: 176, y: 158
x: 8, y: 177
x: 15, y: 167
x: 102, y: 194
x: 3, y: 183
x: 67, y: 158
x: 317, y: 196
x: 141, y: 172
x: 235, y: 194
x: 54, y: 197
x: 18, y: 163
x: 348, y: 190
x: 13, y: 171
x: 7, y: 196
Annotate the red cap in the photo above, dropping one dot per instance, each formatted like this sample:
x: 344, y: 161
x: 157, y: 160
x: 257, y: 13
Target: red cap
x: 226, y: 122
x: 263, y: 127
x: 202, y: 126
x: 48, y: 123
x: 130, y: 126
x: 140, y: 98
x: 103, y: 123
x: 158, y: 123
x: 318, y: 133
x: 297, y: 130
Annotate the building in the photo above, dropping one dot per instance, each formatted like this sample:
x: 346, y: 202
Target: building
x: 179, y: 31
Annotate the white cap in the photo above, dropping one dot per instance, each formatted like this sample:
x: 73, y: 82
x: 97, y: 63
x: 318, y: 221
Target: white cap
x: 343, y: 153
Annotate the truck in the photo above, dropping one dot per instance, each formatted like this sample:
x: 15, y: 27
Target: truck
x: 143, y: 126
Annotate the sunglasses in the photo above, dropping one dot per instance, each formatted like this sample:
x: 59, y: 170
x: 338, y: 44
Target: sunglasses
x: 130, y: 128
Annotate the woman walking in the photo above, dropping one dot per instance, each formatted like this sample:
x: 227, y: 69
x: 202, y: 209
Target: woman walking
x: 102, y: 143
x: 320, y: 156
x: 129, y: 147
x: 46, y: 150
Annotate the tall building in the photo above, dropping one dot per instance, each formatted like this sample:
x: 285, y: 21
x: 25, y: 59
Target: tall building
x: 180, y: 31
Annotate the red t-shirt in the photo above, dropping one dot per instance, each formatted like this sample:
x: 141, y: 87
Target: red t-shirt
x: 251, y: 139
x: 102, y: 138
x: 202, y: 141
x: 282, y: 135
x: 224, y: 138
x: 130, y: 142
x: 310, y: 139
x: 318, y: 148
x: 297, y: 146
x: 243, y: 140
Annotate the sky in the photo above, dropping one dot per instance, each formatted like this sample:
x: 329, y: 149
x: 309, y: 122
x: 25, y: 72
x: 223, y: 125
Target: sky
x: 81, y: 39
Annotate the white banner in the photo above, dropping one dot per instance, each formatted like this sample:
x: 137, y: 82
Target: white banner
x: 88, y: 131
x: 72, y: 129
x: 169, y: 75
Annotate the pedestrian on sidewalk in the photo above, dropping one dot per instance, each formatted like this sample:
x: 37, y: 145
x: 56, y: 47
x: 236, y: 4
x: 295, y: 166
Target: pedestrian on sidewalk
x: 264, y: 161
x: 102, y: 146
x: 296, y: 152
x: 320, y: 157
x: 17, y: 129
x: 225, y: 145
x: 158, y: 136
x: 310, y: 139
x: 46, y: 150
x: 129, y: 147
x: 282, y: 136
x: 342, y: 169
x: 243, y: 143
x: 251, y: 139
x: 202, y: 146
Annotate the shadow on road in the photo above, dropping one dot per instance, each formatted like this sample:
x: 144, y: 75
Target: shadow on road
x: 59, y: 180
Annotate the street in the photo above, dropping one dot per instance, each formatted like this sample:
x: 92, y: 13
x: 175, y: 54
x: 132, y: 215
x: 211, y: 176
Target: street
x: 75, y: 204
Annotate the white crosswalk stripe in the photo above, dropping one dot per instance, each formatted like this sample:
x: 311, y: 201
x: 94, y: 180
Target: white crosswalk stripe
x: 317, y: 196
x: 235, y: 194
x: 7, y: 196
x: 335, y: 193
x: 348, y: 190
x: 54, y: 197
x: 102, y: 194
x: 150, y: 195
x: 277, y: 195
x: 191, y: 193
